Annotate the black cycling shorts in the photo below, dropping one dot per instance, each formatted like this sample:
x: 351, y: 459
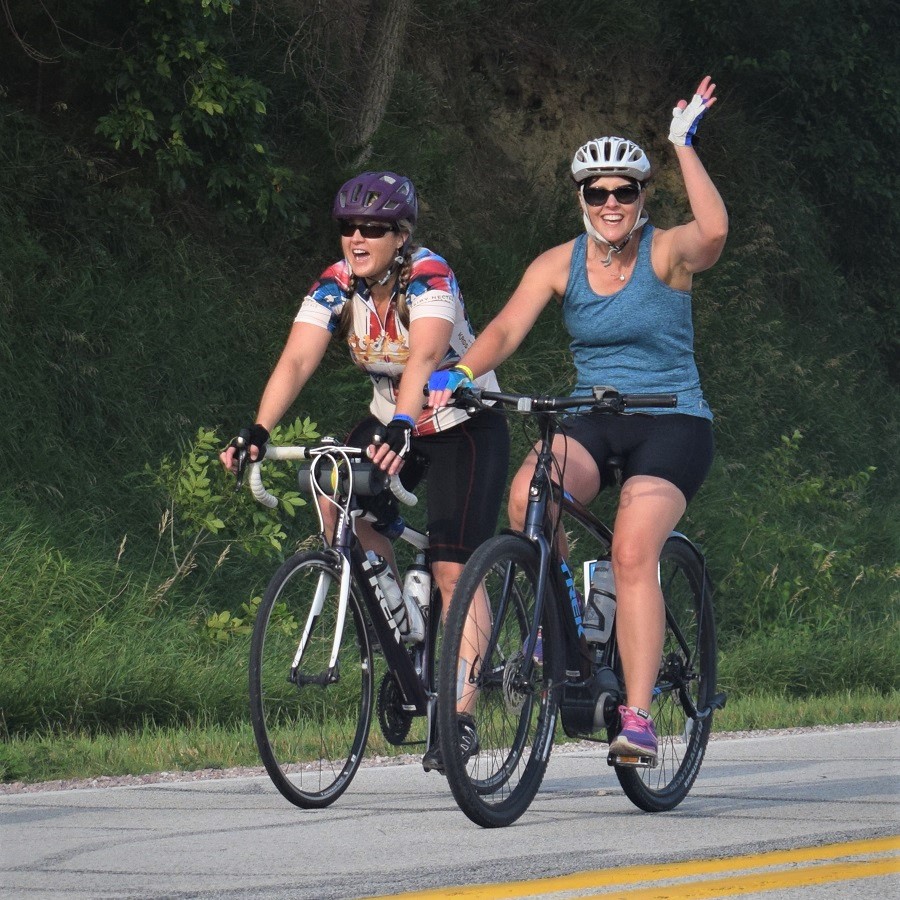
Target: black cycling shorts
x: 466, y: 469
x: 673, y: 446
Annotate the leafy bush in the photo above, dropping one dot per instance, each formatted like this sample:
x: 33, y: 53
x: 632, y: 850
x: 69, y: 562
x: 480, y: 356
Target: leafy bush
x: 175, y: 95
x: 95, y: 644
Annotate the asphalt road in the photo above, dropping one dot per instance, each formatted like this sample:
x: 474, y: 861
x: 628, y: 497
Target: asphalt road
x: 397, y: 829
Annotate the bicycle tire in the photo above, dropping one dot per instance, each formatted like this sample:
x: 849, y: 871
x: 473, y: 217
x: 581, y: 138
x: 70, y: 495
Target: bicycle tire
x: 687, y: 677
x: 311, y: 732
x: 515, y: 722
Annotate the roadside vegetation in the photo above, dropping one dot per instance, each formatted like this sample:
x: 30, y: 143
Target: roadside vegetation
x: 164, y: 191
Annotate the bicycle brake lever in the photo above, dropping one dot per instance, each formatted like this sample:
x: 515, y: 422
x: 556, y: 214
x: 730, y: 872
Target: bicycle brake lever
x: 465, y: 398
x: 242, y: 456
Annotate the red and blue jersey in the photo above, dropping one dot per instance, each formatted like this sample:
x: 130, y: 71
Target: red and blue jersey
x: 381, y: 349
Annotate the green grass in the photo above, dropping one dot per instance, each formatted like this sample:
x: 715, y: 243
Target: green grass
x: 755, y: 712
x: 50, y: 756
x: 56, y: 755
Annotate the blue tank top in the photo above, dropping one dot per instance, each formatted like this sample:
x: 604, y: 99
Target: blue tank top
x: 639, y: 340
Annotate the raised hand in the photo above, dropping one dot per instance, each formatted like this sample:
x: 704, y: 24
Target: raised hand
x: 686, y: 116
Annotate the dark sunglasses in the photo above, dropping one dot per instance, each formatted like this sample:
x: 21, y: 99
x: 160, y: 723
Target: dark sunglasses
x: 366, y: 229
x: 595, y: 196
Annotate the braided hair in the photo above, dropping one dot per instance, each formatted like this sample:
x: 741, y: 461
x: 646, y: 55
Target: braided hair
x: 345, y: 323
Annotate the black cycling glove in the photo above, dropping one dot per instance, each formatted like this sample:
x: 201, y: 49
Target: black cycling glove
x: 397, y: 434
x: 254, y: 435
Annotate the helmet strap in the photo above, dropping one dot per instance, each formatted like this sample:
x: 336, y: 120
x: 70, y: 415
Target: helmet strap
x: 387, y: 275
x: 398, y: 260
x: 642, y: 219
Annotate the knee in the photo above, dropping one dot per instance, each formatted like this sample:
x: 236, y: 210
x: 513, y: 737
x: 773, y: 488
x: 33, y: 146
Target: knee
x: 632, y: 560
x: 518, y: 501
x: 445, y: 577
x: 329, y: 520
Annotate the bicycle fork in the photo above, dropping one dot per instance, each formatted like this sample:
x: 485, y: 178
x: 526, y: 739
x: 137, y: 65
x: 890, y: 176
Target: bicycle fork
x: 331, y: 674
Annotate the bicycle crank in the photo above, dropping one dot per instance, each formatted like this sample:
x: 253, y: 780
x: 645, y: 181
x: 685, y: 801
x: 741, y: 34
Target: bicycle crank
x: 394, y: 720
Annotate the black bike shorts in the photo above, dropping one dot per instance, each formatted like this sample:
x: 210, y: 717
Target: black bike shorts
x: 673, y: 446
x: 466, y: 469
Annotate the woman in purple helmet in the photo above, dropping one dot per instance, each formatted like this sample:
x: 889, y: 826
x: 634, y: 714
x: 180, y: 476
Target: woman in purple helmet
x: 400, y: 310
x: 624, y: 289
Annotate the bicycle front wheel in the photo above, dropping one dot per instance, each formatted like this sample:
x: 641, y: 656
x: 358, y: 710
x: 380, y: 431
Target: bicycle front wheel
x: 686, y: 683
x: 484, y: 674
x: 310, y: 719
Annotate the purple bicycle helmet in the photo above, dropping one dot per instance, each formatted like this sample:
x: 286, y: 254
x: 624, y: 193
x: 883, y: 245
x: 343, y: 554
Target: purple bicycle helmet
x: 382, y: 196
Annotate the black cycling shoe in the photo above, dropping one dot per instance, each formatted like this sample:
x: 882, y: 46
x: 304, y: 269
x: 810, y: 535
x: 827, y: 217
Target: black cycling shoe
x: 468, y: 746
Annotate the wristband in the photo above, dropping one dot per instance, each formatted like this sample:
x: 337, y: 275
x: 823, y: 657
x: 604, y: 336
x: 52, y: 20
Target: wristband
x: 408, y: 419
x: 466, y: 371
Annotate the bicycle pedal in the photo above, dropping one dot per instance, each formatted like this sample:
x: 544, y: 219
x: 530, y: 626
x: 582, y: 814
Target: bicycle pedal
x: 632, y: 762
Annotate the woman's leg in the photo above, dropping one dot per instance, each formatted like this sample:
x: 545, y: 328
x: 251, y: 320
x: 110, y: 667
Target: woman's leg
x: 466, y: 477
x: 649, y: 508
x: 477, y: 627
x: 445, y: 575
x: 581, y: 474
x: 465, y: 489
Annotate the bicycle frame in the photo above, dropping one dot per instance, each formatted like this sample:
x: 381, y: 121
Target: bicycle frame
x: 406, y: 665
x: 573, y: 675
x: 535, y: 526
x: 543, y: 490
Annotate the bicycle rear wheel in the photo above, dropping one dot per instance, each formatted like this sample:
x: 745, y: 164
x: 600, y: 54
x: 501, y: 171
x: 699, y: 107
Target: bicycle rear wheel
x: 686, y: 683
x: 483, y: 673
x: 311, y: 723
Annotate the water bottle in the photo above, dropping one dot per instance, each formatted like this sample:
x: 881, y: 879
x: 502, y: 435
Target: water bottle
x: 600, y: 609
x: 417, y: 583
x: 413, y: 629
x: 417, y: 596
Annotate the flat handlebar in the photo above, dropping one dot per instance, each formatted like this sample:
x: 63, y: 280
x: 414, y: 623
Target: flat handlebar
x: 602, y: 397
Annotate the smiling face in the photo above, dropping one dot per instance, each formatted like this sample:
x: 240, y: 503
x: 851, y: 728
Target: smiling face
x: 370, y: 257
x: 613, y: 219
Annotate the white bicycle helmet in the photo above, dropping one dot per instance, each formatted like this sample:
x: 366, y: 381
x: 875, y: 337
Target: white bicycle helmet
x: 610, y: 156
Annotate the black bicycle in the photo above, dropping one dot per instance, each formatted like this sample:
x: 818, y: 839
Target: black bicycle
x: 516, y: 656
x: 321, y: 620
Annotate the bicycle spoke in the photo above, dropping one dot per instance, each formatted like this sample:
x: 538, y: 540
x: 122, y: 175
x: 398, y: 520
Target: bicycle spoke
x: 487, y: 675
x: 311, y: 719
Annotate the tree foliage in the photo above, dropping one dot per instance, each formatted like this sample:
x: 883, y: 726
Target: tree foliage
x: 827, y: 75
x: 175, y: 96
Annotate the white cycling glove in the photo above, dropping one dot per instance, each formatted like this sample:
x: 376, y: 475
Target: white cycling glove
x: 685, y: 122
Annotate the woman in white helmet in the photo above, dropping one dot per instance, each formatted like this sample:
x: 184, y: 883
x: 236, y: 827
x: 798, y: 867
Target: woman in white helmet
x: 624, y: 288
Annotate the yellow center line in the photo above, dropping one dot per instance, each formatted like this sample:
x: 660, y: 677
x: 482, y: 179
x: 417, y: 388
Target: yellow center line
x: 749, y: 882
x: 756, y: 882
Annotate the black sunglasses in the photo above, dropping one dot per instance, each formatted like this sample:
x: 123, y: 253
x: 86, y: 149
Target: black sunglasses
x: 366, y: 229
x: 595, y: 196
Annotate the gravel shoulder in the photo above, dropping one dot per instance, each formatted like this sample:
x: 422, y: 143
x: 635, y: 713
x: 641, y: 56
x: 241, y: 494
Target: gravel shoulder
x: 104, y: 781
